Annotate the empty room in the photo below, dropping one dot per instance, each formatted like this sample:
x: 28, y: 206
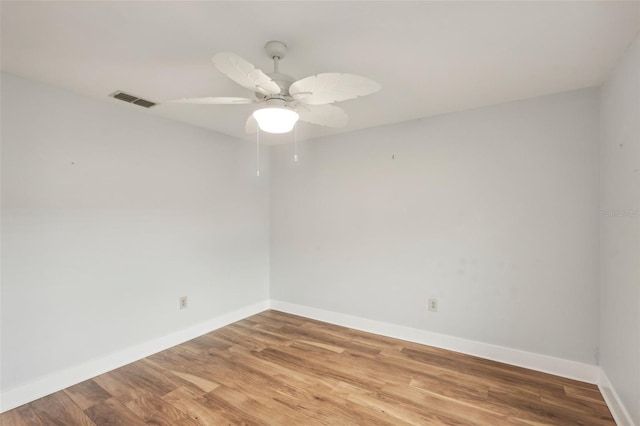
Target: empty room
x: 320, y: 213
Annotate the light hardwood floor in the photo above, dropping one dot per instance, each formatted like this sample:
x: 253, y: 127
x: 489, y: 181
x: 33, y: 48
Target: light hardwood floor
x: 280, y: 369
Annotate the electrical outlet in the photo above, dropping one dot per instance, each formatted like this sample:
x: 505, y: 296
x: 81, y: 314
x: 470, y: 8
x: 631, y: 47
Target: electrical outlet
x: 183, y: 302
x: 433, y: 305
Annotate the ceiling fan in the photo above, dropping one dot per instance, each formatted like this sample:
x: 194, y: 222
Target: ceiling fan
x: 283, y: 100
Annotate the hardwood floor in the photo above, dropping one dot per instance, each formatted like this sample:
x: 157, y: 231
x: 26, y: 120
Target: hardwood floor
x: 280, y: 369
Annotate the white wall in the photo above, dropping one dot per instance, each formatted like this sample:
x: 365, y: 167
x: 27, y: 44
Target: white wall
x: 109, y: 215
x: 620, y: 230
x: 492, y: 211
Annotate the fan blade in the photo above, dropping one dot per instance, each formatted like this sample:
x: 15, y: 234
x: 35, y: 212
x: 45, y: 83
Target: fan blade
x: 251, y: 127
x: 212, y: 101
x: 323, y: 115
x: 331, y: 87
x: 245, y: 73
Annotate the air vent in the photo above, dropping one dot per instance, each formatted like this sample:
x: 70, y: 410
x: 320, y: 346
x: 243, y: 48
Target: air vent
x: 143, y: 103
x: 132, y: 99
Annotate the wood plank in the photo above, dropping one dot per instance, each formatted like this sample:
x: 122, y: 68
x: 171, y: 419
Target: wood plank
x: 551, y: 413
x: 591, y: 395
x: 134, y: 381
x: 59, y: 409
x: 87, y: 394
x: 113, y: 412
x: 154, y: 410
x: 189, y: 404
x: 21, y: 416
x: 244, y: 408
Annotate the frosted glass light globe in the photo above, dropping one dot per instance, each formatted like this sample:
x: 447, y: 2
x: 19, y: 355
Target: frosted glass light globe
x: 276, y: 119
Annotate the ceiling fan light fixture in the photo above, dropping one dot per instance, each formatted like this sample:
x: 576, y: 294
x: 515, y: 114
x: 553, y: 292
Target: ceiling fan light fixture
x: 276, y: 119
x: 312, y: 96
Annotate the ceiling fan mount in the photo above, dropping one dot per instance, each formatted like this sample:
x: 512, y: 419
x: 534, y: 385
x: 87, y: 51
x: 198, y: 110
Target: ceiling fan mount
x: 310, y: 98
x: 275, y: 49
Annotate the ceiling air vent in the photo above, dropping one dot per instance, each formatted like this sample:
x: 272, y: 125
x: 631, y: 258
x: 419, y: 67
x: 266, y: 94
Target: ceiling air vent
x: 132, y: 99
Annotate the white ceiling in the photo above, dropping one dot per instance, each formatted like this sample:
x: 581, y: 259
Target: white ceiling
x: 430, y: 57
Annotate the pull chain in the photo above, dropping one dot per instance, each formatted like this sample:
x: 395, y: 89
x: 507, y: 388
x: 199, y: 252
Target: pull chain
x: 295, y: 142
x: 258, y: 151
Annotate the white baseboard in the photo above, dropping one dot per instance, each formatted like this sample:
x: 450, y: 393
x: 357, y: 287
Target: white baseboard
x: 59, y: 380
x: 617, y: 408
x: 547, y: 364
